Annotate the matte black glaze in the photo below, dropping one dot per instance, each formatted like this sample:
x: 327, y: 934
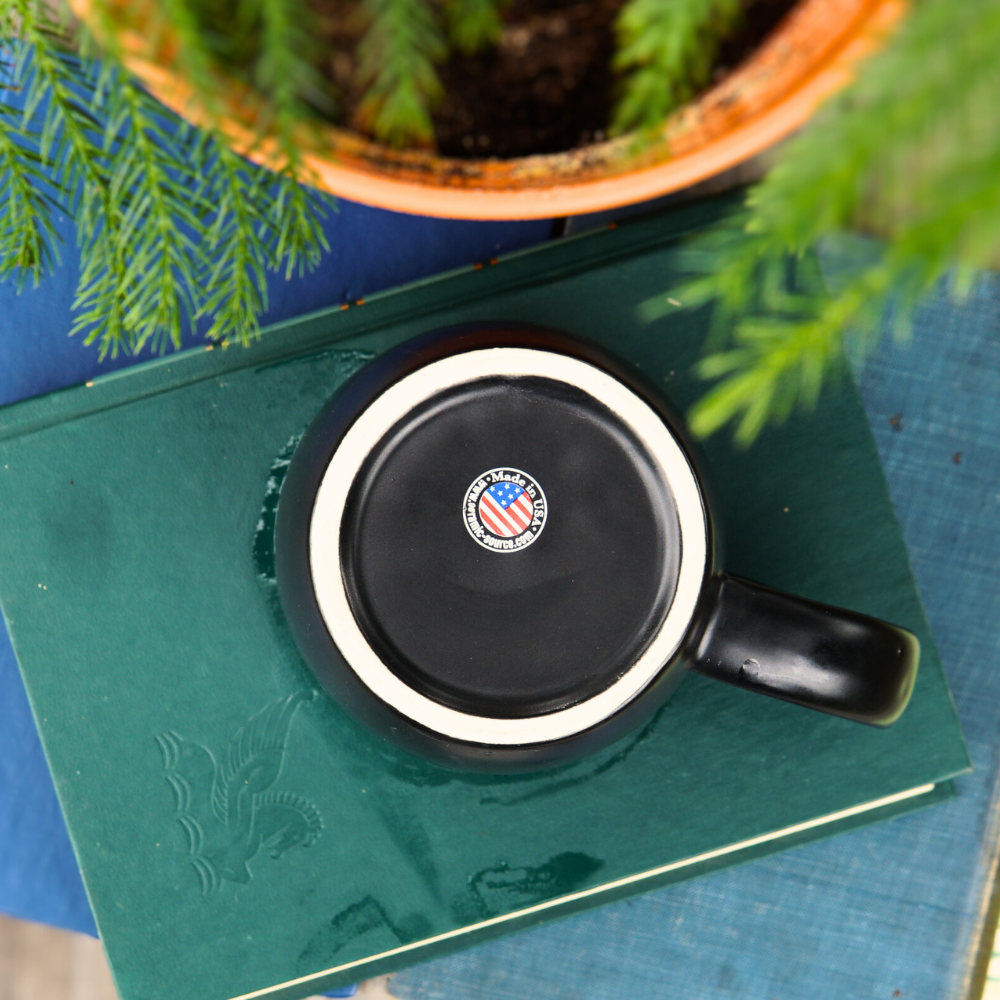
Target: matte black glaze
x: 837, y: 661
x: 820, y: 657
x: 519, y: 633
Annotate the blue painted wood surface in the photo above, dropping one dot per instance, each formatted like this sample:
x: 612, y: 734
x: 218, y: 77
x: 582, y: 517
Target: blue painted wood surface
x: 889, y: 911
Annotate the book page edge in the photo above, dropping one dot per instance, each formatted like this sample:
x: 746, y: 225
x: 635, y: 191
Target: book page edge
x: 718, y: 852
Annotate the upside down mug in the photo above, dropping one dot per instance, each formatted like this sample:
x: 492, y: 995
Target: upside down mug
x: 494, y: 546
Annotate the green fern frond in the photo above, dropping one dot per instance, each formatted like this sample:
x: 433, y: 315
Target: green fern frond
x: 666, y: 49
x: 68, y: 142
x: 75, y: 148
x: 29, y: 244
x: 287, y: 79
x: 285, y: 75
x: 262, y: 220
x: 171, y: 224
x: 161, y: 221
x: 194, y: 57
x: 473, y: 25
x: 877, y: 155
x: 297, y: 214
x: 909, y: 153
x: 237, y: 283
x: 396, y: 67
x: 785, y: 344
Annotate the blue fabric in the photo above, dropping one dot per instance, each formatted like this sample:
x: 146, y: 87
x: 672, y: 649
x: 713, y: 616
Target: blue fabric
x: 888, y: 911
x: 370, y: 250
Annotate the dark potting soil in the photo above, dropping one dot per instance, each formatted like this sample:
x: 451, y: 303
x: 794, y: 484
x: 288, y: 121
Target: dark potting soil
x: 548, y: 84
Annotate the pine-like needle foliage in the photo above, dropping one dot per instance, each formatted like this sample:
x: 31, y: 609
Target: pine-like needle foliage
x: 666, y: 50
x: 396, y: 67
x: 28, y: 240
x: 911, y: 153
x: 396, y: 59
x: 473, y: 25
x: 171, y: 224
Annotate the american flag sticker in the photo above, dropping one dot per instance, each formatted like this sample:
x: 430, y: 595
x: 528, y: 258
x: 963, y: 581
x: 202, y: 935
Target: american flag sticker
x: 504, y: 510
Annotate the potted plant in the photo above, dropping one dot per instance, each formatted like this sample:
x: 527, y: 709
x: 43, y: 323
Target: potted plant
x: 174, y: 224
x: 901, y: 170
x: 630, y: 119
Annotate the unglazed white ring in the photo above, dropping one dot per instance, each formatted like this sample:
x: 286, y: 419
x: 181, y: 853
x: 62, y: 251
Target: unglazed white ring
x: 369, y: 429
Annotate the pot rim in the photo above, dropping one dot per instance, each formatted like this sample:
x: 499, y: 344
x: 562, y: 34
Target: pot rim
x: 810, y: 55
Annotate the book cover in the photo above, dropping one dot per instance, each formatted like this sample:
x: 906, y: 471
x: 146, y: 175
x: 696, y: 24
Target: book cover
x: 238, y: 834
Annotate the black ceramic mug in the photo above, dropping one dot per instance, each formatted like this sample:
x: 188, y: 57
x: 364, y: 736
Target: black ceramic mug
x: 494, y: 546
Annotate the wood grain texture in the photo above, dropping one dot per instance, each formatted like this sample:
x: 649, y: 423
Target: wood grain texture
x: 42, y: 963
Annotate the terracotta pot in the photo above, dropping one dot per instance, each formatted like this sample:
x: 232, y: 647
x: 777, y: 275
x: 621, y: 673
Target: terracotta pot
x: 809, y: 56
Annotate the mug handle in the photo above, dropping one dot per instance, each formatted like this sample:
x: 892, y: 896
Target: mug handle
x: 836, y: 661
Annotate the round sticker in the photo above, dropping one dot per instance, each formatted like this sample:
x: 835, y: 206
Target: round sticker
x: 504, y: 510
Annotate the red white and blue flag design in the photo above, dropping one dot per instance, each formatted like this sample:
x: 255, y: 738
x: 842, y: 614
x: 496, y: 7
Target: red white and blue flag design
x: 505, y: 509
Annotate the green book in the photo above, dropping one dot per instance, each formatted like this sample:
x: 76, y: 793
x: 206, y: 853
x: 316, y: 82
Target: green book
x: 238, y: 834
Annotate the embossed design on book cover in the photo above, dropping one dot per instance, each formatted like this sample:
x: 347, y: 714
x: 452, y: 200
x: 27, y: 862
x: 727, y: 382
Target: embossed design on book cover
x: 229, y: 811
